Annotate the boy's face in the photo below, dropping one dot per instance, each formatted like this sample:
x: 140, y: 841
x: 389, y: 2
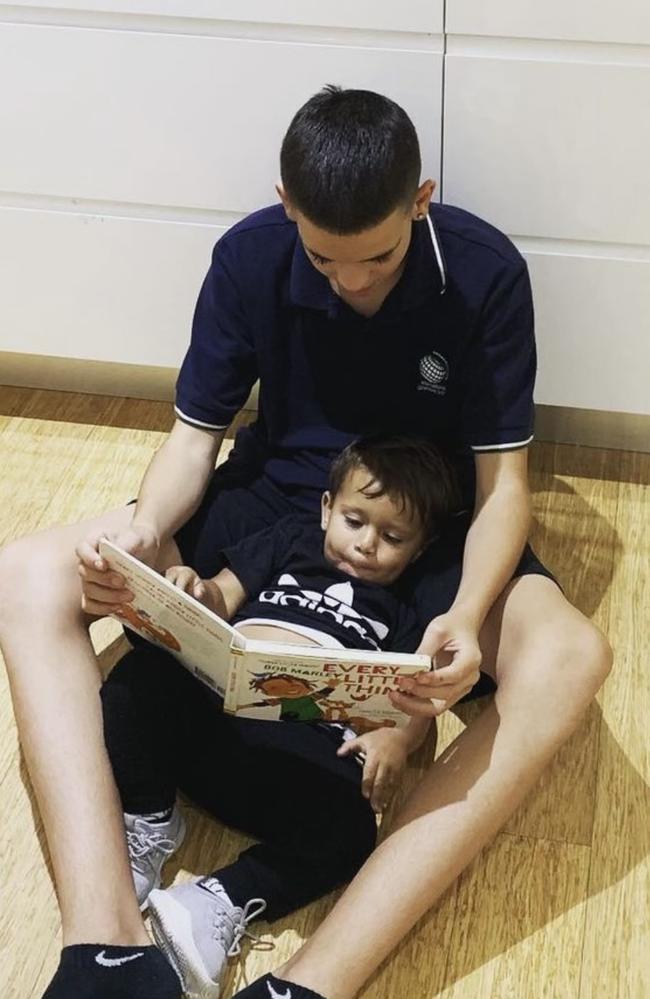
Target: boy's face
x: 283, y: 687
x: 372, y: 538
x: 364, y: 265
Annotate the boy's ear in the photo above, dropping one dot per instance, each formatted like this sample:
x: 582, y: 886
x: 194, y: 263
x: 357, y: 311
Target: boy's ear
x: 325, y: 509
x: 423, y: 199
x: 282, y: 195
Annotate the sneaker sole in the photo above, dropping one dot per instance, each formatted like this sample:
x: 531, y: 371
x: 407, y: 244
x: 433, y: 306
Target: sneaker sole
x: 171, y: 924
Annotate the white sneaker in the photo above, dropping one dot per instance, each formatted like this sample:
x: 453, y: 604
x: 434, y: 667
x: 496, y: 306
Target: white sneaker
x: 150, y: 845
x: 198, y: 928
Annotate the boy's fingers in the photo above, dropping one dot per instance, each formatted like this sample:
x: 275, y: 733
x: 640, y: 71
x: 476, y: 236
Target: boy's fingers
x: 111, y: 581
x: 184, y: 579
x: 382, y: 789
x: 349, y: 746
x: 424, y: 708
x: 105, y: 595
x: 369, y: 775
x: 98, y: 609
x: 87, y: 553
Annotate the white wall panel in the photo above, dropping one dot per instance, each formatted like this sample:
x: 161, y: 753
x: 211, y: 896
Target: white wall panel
x: 550, y: 148
x: 583, y: 20
x: 593, y: 325
x: 190, y: 121
x: 100, y: 288
x: 379, y: 15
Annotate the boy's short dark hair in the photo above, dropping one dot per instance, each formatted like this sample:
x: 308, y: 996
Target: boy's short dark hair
x: 350, y: 158
x: 411, y: 471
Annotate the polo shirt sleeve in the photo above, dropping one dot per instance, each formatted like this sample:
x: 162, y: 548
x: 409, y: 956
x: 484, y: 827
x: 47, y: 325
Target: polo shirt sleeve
x: 497, y: 411
x: 220, y: 367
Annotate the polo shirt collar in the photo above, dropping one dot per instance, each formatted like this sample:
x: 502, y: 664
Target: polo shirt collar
x: 425, y: 273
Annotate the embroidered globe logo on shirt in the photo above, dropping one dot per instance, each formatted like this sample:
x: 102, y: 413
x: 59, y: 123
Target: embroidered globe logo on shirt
x: 335, y: 601
x: 434, y: 373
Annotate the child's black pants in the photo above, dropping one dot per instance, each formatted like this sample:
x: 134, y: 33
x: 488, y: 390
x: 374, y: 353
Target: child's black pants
x: 280, y: 782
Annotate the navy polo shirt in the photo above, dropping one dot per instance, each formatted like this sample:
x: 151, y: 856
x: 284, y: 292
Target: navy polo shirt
x: 449, y: 356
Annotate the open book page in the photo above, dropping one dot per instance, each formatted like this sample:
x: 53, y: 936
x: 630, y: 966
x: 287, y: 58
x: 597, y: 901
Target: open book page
x: 287, y: 682
x: 174, y: 620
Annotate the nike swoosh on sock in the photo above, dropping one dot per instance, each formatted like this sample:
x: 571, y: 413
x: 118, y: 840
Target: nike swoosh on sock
x: 115, y: 962
x: 278, y: 995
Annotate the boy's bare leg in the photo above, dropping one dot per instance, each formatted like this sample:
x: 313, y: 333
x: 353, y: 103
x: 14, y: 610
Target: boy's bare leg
x: 55, y: 682
x: 549, y: 662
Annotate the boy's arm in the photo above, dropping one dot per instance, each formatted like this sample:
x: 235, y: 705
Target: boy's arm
x: 228, y: 591
x: 176, y: 479
x: 385, y: 753
x: 171, y: 490
x: 495, y: 541
x: 223, y: 593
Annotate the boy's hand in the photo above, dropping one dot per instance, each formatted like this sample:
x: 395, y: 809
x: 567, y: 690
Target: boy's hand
x: 385, y: 753
x: 189, y: 581
x: 104, y: 591
x: 452, y: 643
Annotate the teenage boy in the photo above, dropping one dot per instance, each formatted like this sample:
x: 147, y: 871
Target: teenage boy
x: 296, y: 787
x: 361, y: 308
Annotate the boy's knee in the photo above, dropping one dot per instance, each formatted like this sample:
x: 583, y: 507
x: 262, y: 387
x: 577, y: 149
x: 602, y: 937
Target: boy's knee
x: 38, y: 576
x: 581, y: 658
x: 16, y: 568
x: 597, y: 654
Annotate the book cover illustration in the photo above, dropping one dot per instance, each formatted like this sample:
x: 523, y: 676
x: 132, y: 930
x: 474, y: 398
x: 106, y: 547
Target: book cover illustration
x: 174, y: 620
x: 348, y: 686
x: 268, y: 680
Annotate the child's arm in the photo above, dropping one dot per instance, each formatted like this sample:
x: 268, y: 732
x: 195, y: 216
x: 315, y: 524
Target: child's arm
x: 385, y: 752
x: 223, y: 594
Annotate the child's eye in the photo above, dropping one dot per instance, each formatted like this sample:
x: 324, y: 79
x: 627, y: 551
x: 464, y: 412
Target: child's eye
x: 352, y: 522
x: 383, y: 258
x: 392, y: 539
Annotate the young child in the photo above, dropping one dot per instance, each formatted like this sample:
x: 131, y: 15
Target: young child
x: 294, y: 786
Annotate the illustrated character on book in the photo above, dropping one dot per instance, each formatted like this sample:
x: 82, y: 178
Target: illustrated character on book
x: 297, y: 698
x: 140, y: 620
x: 299, y: 701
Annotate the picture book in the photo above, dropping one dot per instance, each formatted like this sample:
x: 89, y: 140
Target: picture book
x: 260, y: 679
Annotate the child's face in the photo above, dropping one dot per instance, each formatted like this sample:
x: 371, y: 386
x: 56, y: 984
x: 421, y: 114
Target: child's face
x: 283, y: 687
x: 372, y: 538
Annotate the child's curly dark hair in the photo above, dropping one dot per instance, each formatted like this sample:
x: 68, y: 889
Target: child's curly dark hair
x: 410, y: 470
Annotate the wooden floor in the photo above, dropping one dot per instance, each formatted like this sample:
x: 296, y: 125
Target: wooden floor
x: 558, y: 907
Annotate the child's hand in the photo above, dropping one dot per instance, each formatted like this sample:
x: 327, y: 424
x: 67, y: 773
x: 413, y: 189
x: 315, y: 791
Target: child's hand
x: 385, y: 753
x: 189, y: 581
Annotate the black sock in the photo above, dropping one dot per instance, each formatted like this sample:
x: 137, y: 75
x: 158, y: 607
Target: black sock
x: 270, y: 987
x: 92, y: 971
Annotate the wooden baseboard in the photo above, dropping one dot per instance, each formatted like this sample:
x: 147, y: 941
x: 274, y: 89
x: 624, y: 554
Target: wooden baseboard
x: 559, y: 424
x: 593, y: 428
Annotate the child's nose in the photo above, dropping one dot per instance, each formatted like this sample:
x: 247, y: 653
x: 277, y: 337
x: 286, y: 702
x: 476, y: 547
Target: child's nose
x: 366, y: 542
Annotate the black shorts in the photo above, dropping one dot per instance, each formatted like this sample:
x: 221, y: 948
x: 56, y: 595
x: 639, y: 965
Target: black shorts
x: 241, y: 500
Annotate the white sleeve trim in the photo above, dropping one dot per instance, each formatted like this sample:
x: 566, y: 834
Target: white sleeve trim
x: 510, y: 446
x: 199, y: 423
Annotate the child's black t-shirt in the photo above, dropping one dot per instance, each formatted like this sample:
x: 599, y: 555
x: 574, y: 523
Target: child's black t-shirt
x: 288, y: 579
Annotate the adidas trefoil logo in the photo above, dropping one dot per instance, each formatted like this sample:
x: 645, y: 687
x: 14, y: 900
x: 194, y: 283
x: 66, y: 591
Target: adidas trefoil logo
x: 336, y: 601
